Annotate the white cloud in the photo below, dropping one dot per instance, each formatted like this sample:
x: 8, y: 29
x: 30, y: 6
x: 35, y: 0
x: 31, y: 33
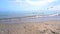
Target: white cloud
x: 36, y: 5
x: 18, y: 0
x: 15, y: 0
x: 40, y: 2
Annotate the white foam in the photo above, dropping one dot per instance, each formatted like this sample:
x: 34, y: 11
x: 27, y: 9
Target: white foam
x: 54, y: 15
x: 37, y: 16
x: 43, y: 16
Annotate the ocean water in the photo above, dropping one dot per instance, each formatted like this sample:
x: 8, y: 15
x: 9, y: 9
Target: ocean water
x: 24, y: 16
x: 11, y: 14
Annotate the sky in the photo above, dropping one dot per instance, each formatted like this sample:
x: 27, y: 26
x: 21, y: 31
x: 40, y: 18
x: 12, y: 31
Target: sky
x: 29, y: 5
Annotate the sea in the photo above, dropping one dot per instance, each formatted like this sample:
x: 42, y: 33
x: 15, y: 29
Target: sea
x: 28, y: 16
x: 10, y: 14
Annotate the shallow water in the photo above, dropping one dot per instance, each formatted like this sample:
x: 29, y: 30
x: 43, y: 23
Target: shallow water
x: 28, y: 19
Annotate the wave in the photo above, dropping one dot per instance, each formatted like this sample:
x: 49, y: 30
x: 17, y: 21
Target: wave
x: 33, y: 16
x: 40, y: 16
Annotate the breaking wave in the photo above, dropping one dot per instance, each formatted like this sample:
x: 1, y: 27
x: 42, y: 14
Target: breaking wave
x: 39, y: 16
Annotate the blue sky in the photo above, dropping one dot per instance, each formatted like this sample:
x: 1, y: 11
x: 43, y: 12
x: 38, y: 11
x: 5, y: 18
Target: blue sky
x: 29, y: 5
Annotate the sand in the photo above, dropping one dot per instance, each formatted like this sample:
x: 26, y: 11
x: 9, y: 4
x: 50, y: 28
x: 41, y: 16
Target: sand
x: 48, y: 27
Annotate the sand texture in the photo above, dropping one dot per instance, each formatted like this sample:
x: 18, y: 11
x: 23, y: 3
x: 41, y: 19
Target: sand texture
x: 48, y: 27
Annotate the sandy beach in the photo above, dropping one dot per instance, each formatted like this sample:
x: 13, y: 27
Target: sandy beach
x: 29, y: 25
x: 47, y: 27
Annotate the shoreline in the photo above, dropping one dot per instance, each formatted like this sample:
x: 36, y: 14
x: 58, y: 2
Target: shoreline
x: 35, y: 18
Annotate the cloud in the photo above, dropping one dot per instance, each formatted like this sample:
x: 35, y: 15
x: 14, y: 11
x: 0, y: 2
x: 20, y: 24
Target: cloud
x: 35, y: 5
x: 40, y: 2
x: 54, y: 8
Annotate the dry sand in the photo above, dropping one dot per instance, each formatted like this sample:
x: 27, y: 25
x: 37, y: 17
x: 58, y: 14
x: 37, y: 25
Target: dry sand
x: 48, y: 27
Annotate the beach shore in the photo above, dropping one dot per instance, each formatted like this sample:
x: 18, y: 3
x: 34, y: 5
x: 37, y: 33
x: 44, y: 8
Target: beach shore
x: 47, y: 27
